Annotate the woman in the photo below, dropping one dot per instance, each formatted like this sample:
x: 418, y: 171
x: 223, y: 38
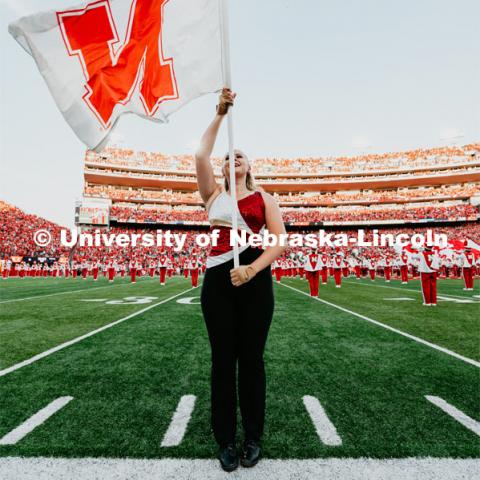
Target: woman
x: 237, y: 303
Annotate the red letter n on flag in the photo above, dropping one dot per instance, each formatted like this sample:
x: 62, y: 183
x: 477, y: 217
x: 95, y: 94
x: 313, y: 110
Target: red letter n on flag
x: 113, y: 71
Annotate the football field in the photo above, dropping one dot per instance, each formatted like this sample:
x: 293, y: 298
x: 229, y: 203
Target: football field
x: 363, y: 382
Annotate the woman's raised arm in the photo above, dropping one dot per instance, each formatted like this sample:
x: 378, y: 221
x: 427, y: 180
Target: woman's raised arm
x: 205, y: 176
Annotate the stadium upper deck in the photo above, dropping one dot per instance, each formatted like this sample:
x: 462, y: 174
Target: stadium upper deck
x: 421, y: 159
x: 156, y: 188
x: 443, y: 166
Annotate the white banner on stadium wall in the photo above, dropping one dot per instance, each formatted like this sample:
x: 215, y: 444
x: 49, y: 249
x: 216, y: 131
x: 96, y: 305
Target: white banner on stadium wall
x: 109, y: 57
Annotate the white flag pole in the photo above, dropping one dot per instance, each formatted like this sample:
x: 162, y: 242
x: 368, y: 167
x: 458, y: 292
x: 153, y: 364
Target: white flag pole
x: 227, y: 77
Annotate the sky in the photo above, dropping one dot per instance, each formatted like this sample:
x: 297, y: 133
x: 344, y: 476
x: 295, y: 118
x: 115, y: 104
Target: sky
x: 314, y: 78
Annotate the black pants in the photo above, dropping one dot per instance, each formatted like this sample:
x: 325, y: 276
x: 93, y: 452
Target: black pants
x: 237, y: 320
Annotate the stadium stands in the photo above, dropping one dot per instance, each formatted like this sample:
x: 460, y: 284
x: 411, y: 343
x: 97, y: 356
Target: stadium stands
x: 153, y: 190
x: 312, y: 215
x: 17, y: 230
x: 435, y: 184
x: 367, y: 197
x: 421, y: 158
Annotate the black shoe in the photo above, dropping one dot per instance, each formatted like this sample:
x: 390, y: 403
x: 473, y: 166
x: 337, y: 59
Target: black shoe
x: 228, y: 457
x: 251, y: 453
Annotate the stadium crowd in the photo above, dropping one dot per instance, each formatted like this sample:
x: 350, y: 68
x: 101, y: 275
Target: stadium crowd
x: 298, y: 175
x: 118, y: 193
x: 17, y: 230
x: 149, y: 214
x: 419, y: 158
x: 383, y: 196
x: 396, y: 212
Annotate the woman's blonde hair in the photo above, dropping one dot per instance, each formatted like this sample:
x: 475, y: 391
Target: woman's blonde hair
x: 249, y: 182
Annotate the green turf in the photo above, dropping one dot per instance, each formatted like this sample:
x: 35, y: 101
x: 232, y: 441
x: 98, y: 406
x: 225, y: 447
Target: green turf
x: 451, y: 325
x: 127, y: 381
x: 15, y: 288
x: 28, y: 327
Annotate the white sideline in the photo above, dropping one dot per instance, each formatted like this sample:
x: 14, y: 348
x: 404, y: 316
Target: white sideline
x: 54, y: 294
x: 324, y: 427
x: 63, y: 293
x: 178, y: 426
x: 388, y: 327
x: 34, y: 421
x: 428, y: 468
x: 455, y: 413
x: 87, y: 335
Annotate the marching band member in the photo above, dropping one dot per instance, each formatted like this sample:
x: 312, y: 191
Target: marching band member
x: 277, y: 270
x: 324, y: 266
x: 446, y: 265
x: 457, y: 265
x: 467, y: 263
x: 371, y: 266
x: 151, y: 269
x: 163, y: 266
x: 139, y: 268
x: 6, y: 269
x: 171, y: 266
x: 112, y: 270
x: 133, y: 270
x: 95, y: 268
x: 402, y: 262
x: 90, y: 267
x: 104, y: 266
x: 185, y: 267
x: 338, y: 267
x: 312, y: 268
x: 84, y: 270
x: 428, y: 265
x: 387, y: 268
x: 355, y: 265
x: 194, y: 267
x: 290, y: 268
x: 284, y: 264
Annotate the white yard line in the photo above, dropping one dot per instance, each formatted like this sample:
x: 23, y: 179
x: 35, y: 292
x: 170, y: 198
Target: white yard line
x: 63, y: 293
x: 403, y: 289
x: 54, y: 294
x: 87, y: 335
x: 183, y: 469
x: 325, y: 429
x: 455, y: 413
x: 388, y: 327
x: 34, y: 421
x: 178, y: 426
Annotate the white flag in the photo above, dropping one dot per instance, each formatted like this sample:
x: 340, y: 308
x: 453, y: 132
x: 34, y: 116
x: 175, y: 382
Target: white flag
x: 109, y: 57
